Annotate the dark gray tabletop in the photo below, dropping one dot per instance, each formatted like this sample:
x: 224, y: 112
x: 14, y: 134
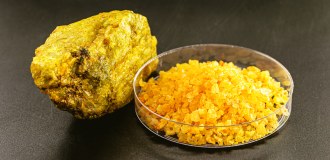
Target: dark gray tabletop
x: 296, y: 33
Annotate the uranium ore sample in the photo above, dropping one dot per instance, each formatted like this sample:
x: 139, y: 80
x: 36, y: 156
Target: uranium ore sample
x: 87, y: 68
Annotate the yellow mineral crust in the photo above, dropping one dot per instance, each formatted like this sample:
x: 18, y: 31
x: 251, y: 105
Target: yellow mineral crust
x: 87, y: 67
x: 213, y: 94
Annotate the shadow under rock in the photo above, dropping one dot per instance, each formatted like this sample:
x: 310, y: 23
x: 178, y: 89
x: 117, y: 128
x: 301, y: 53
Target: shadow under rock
x: 97, y: 138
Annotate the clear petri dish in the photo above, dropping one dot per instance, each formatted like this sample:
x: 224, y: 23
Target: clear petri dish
x: 231, y: 135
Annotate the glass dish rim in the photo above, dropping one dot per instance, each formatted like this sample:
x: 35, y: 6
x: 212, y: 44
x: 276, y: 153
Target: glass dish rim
x: 222, y: 45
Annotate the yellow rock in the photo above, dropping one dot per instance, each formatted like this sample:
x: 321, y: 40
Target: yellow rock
x: 87, y: 67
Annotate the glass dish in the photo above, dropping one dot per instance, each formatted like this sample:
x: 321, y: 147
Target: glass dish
x: 241, y: 57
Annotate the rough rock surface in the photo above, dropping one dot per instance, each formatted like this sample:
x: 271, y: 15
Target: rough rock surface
x: 87, y: 67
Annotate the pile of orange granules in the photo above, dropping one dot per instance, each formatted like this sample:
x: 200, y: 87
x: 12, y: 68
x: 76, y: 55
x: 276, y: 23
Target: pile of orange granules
x: 218, y: 94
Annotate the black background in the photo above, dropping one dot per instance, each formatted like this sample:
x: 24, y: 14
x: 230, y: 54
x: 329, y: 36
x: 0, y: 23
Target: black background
x: 296, y: 33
